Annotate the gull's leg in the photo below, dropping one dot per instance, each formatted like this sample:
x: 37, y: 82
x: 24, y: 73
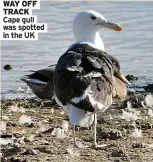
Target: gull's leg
x: 79, y: 145
x: 74, y: 138
x: 95, y: 145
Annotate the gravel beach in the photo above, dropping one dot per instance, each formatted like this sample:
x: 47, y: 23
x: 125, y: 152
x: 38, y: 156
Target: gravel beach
x: 38, y: 130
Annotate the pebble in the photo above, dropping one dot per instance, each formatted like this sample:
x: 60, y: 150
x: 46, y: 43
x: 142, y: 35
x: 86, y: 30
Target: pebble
x: 17, y: 135
x: 6, y: 118
x: 45, y: 150
x: 31, y: 152
x: 8, y: 67
x: 29, y: 139
x: 21, y: 141
x: 138, y: 145
x: 31, y: 125
x: 48, y: 130
x: 6, y: 135
x: 11, y: 124
x: 118, y: 153
x: 130, y: 92
x: 12, y: 150
x: 136, y: 101
x: 117, y: 160
x: 131, y: 78
x: 44, y: 142
x: 147, y: 126
x: 14, y: 160
x: 111, y: 135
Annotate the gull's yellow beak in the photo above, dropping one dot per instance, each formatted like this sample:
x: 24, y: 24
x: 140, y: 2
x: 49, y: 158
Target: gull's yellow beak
x: 121, y: 77
x: 113, y: 26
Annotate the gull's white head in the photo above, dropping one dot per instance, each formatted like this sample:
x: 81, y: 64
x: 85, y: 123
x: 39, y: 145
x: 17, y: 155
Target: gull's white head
x: 88, y: 24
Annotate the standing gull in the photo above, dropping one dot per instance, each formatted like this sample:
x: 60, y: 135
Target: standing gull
x: 84, y: 74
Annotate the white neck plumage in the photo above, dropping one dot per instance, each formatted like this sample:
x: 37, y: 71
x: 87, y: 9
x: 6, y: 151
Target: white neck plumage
x: 93, y: 38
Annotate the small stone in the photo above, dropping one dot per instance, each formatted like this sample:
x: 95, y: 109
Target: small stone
x: 130, y: 92
x: 118, y: 153
x: 137, y: 122
x: 26, y: 139
x: 44, y: 142
x: 8, y: 67
x: 115, y: 134
x: 147, y: 126
x: 117, y: 160
x: 136, y: 101
x: 131, y: 78
x: 15, y: 160
x: 31, y: 152
x: 12, y: 150
x: 6, y: 118
x: 45, y: 150
x: 61, y: 112
x: 18, y: 145
x: 109, y: 135
x: 31, y: 125
x: 21, y: 141
x: 11, y: 124
x: 29, y: 139
x: 17, y: 135
x: 6, y: 135
x: 48, y: 130
x: 40, y: 135
x: 138, y: 145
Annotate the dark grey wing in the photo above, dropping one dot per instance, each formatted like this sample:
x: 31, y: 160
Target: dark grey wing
x: 69, y: 61
x: 83, y: 78
x: 67, y: 77
x: 99, y: 76
x: 44, y: 74
x: 41, y: 82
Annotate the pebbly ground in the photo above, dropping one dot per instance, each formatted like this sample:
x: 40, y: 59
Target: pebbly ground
x: 34, y: 130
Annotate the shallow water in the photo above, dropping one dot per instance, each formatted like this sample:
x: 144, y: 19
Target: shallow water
x: 133, y: 46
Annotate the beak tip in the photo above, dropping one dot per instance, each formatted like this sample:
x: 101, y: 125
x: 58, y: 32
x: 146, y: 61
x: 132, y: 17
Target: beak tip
x: 122, y: 78
x: 128, y: 83
x: 118, y: 28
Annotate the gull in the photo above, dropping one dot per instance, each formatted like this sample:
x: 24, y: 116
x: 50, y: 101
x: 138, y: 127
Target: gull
x: 84, y: 75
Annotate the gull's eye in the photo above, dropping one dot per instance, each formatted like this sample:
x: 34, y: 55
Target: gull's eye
x: 93, y: 18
